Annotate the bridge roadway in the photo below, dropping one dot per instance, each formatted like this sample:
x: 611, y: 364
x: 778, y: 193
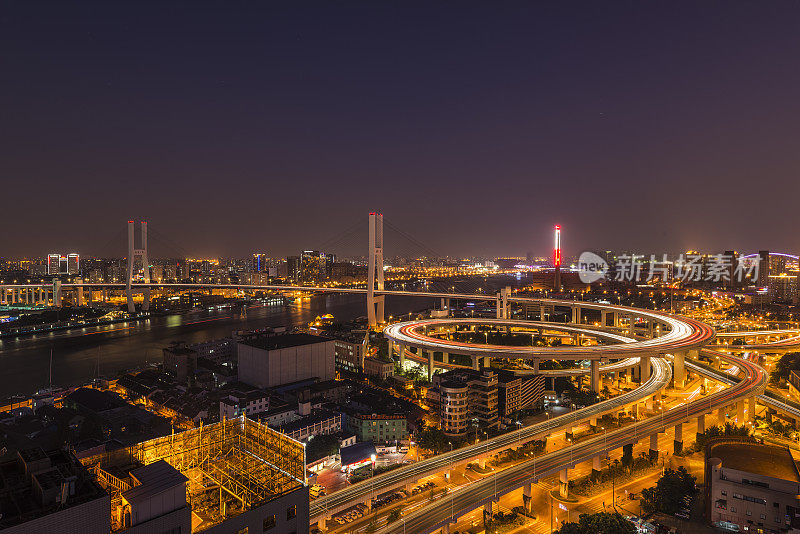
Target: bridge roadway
x: 781, y: 345
x: 466, y: 498
x: 341, y: 500
x: 726, y: 378
x: 684, y: 334
x: 537, y: 325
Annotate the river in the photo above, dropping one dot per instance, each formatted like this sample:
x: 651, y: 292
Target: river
x: 76, y: 353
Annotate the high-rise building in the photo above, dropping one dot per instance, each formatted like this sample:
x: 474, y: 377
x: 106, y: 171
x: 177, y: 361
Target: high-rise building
x: 73, y: 263
x: 259, y: 262
x: 53, y: 263
x: 763, y: 268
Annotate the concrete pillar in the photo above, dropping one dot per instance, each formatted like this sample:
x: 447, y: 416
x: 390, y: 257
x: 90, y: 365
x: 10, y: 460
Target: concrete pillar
x: 527, y: 501
x: 627, y: 454
x: 701, y: 425
x: 593, y: 423
x: 570, y: 434
x: 487, y: 508
x: 430, y: 365
x: 721, y: 415
x: 679, y: 370
x: 578, y: 318
x: 595, y: 374
x: 574, y: 315
x: 650, y: 326
x: 446, y: 528
x: 402, y: 356
x: 653, y: 447
x: 631, y: 323
x: 542, y: 313
x: 596, y: 467
x: 637, y: 372
x: 552, y: 380
x: 603, y: 318
x: 79, y: 292
x: 740, y: 412
x: 476, y: 363
x: 751, y: 409
x: 678, y: 443
x: 321, y: 522
x: 487, y: 361
x: 445, y: 357
x: 645, y: 365
x: 57, y: 293
x: 499, y: 305
x: 563, y: 478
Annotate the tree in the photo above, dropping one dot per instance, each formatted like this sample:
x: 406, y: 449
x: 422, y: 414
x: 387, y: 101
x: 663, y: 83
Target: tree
x: 786, y: 364
x: 668, y: 493
x: 599, y: 523
x: 433, y: 440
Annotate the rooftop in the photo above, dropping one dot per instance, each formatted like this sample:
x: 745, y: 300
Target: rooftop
x: 283, y: 341
x: 765, y: 460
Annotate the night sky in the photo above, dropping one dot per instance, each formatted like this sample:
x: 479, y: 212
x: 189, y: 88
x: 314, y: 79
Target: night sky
x: 242, y: 126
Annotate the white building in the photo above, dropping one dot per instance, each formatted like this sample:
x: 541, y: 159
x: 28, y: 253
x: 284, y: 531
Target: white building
x: 272, y: 360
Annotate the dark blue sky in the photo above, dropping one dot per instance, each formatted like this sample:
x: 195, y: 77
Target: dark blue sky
x: 474, y: 127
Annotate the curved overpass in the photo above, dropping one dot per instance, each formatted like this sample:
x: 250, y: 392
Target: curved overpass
x: 365, y: 490
x: 490, y: 489
x: 683, y: 334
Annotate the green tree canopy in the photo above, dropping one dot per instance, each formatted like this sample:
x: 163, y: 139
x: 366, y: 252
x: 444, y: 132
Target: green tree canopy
x: 599, y: 523
x: 668, y: 493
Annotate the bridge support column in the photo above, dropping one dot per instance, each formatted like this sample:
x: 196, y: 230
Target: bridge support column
x: 593, y: 423
x: 375, y: 306
x: 527, y: 501
x: 751, y: 409
x: 595, y: 381
x: 79, y: 291
x: 636, y: 372
x: 578, y: 318
x: 678, y: 442
x: 679, y: 370
x: 321, y: 523
x: 596, y: 467
x: 603, y: 318
x: 653, y: 447
x: 627, y: 454
x: 721, y: 415
x: 563, y: 479
x: 645, y: 364
x: 445, y: 357
x: 57, y: 293
x: 740, y: 412
x: 570, y: 434
x: 542, y: 314
x: 402, y: 357
x: 430, y: 365
x: 631, y: 324
x: 487, y: 362
x: 701, y: 425
x: 651, y: 327
x: 476, y: 363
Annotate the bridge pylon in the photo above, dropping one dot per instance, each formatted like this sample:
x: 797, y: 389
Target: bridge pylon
x: 134, y: 253
x: 375, y: 270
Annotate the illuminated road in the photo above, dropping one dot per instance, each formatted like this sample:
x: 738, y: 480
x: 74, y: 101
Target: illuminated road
x: 363, y: 491
x: 467, y: 498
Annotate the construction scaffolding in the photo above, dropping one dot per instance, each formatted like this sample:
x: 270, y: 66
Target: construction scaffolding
x: 232, y: 466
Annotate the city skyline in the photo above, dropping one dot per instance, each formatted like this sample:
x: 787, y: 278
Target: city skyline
x: 475, y: 130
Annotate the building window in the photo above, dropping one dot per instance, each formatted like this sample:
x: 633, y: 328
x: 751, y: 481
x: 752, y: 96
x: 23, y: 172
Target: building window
x: 291, y: 512
x: 269, y: 522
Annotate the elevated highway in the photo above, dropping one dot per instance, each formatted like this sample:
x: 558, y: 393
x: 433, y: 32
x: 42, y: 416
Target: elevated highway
x: 441, y: 513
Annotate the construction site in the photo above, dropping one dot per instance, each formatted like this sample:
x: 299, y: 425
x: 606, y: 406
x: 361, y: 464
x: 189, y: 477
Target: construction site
x: 226, y: 469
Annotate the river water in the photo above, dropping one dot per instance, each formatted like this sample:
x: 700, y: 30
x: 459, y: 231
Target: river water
x: 26, y: 360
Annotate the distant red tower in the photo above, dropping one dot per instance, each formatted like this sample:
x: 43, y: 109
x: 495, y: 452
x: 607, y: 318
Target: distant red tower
x: 557, y: 259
